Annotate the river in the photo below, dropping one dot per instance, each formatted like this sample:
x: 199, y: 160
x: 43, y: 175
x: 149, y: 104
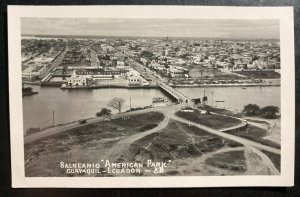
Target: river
x: 236, y: 98
x: 76, y: 104
x: 72, y: 105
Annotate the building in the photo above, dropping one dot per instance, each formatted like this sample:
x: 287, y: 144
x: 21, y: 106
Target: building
x: 135, y: 81
x: 79, y: 80
x: 177, y: 72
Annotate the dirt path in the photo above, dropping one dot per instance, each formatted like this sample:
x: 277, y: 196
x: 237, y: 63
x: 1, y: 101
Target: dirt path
x: 228, y: 136
x: 59, y: 129
x: 122, y: 147
x: 254, y: 146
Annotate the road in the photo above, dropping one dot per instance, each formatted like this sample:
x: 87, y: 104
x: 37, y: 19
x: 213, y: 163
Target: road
x: 120, y: 149
x: 167, y: 110
x: 241, y: 140
x: 59, y: 129
x: 158, y: 80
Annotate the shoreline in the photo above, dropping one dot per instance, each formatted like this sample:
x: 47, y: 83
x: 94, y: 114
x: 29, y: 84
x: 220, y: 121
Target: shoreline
x: 110, y: 86
x: 225, y: 85
x: 151, y: 86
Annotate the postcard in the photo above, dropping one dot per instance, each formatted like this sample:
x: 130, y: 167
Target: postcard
x: 151, y: 96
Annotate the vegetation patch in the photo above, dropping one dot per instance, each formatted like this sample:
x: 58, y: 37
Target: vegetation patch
x: 148, y: 127
x: 258, y: 121
x: 255, y: 134
x: 92, y: 137
x: 220, y: 111
x: 233, y: 161
x: 269, y: 112
x: 275, y: 158
x: 211, y: 120
x: 177, y: 140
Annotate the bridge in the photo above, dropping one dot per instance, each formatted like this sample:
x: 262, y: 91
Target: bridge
x: 171, y: 92
x: 47, y: 78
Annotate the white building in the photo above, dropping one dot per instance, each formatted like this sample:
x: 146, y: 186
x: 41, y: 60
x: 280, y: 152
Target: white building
x: 135, y: 81
x: 79, y: 80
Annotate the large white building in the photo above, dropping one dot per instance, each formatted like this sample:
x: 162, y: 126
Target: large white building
x: 135, y: 81
x: 79, y: 80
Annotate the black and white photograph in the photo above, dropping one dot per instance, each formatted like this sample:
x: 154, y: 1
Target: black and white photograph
x: 151, y: 96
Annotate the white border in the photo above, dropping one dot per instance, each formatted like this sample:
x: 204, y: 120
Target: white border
x: 284, y: 14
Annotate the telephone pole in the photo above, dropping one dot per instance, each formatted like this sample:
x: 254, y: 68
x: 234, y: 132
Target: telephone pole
x: 130, y: 103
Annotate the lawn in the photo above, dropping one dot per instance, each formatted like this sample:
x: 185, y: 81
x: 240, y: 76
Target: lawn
x: 177, y: 140
x: 212, y: 120
x: 258, y: 121
x: 84, y: 144
x: 255, y: 134
x: 221, y: 111
x: 257, y: 74
x: 233, y: 161
x: 275, y: 158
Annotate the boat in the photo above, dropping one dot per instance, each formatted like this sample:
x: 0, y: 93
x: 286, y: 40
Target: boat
x: 159, y: 100
x: 244, y: 88
x: 220, y: 101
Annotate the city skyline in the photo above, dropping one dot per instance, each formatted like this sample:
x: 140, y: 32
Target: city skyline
x: 200, y: 28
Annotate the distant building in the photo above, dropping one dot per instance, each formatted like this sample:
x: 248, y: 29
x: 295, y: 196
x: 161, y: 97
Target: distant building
x: 135, y: 81
x: 79, y: 80
x: 177, y: 72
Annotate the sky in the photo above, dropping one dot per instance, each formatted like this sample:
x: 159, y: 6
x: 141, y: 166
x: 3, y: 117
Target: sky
x: 200, y: 28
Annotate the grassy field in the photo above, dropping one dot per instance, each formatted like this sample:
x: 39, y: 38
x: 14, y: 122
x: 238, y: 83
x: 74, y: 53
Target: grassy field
x: 221, y: 111
x: 275, y: 158
x: 233, y: 160
x: 260, y: 74
x: 177, y: 140
x: 214, y: 121
x: 258, y: 121
x: 85, y: 144
x: 256, y: 134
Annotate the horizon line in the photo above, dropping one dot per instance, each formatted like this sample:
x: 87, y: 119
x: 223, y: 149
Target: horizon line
x: 126, y: 36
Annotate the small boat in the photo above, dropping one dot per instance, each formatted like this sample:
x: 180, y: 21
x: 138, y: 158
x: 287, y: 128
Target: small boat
x: 244, y: 88
x: 219, y: 101
x: 159, y: 100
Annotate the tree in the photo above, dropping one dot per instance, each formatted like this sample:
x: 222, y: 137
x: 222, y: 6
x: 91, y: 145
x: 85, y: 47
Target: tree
x: 116, y: 103
x: 106, y: 113
x: 269, y: 111
x: 251, y: 109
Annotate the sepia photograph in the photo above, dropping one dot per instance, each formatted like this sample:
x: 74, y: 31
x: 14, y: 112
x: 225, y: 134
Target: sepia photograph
x: 151, y: 96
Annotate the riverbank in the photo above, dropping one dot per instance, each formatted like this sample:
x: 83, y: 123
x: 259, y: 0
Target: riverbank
x: 31, y: 82
x: 28, y: 91
x: 110, y: 86
x: 225, y: 85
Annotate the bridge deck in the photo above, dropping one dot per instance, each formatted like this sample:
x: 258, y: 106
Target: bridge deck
x: 174, y: 93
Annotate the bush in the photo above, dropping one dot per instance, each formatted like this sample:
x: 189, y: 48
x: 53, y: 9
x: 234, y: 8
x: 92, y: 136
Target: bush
x: 269, y: 111
x: 251, y: 109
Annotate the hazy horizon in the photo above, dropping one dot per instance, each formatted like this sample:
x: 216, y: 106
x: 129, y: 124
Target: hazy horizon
x: 188, y: 28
